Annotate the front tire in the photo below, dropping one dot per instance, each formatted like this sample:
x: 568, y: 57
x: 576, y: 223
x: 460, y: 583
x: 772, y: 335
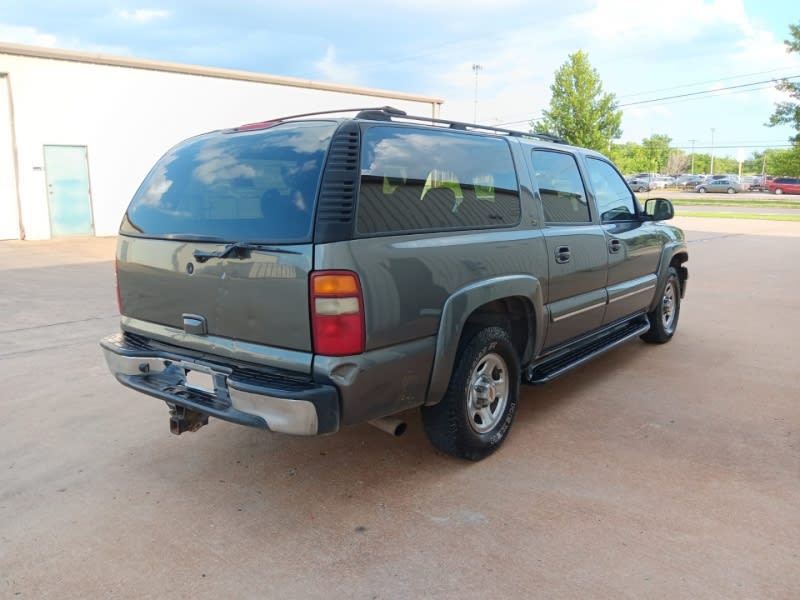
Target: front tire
x: 702, y: 190
x: 475, y: 415
x: 731, y: 190
x: 778, y: 191
x: 664, y: 317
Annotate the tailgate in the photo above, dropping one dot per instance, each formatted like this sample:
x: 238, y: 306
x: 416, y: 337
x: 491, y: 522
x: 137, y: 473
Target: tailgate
x: 262, y: 298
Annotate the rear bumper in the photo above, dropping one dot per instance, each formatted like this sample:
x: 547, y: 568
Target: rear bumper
x: 296, y: 407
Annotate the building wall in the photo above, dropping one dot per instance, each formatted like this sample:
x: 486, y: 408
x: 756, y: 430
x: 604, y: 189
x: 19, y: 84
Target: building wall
x: 127, y: 118
x: 9, y: 221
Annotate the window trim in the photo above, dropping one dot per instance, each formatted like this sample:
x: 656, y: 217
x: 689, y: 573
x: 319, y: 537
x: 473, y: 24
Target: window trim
x: 535, y: 182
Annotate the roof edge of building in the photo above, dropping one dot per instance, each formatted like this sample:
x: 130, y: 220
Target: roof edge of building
x: 201, y: 71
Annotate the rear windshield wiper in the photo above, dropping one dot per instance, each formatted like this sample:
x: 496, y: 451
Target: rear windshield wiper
x: 239, y: 250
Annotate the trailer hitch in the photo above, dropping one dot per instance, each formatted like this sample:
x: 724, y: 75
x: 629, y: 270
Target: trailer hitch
x: 182, y: 419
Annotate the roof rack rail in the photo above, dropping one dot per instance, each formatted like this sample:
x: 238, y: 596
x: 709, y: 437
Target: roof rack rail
x: 377, y: 111
x: 389, y: 113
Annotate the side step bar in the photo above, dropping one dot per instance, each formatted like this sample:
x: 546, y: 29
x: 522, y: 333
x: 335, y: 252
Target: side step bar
x: 551, y: 368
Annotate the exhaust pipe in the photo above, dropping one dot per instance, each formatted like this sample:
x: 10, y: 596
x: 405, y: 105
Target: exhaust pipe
x: 391, y: 425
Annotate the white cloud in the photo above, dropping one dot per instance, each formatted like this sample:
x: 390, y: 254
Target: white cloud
x: 31, y: 36
x: 143, y: 15
x: 27, y: 35
x: 332, y: 70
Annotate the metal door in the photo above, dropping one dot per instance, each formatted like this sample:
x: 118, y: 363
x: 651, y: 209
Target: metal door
x: 68, y: 194
x: 578, y: 269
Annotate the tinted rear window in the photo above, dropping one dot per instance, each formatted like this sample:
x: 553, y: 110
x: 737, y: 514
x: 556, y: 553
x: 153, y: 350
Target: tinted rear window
x: 423, y: 180
x: 254, y: 186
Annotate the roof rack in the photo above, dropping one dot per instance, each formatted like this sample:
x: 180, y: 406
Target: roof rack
x: 389, y: 113
x: 374, y: 113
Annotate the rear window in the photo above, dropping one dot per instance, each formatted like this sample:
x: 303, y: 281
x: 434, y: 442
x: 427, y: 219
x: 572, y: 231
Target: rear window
x: 423, y: 180
x: 254, y: 186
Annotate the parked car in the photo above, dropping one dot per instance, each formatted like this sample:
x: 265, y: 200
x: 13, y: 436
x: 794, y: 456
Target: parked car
x: 784, y: 185
x: 719, y: 185
x: 640, y: 185
x: 311, y: 272
x: 661, y: 182
x: 689, y: 182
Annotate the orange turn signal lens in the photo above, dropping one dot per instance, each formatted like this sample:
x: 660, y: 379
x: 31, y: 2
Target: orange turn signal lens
x: 335, y: 285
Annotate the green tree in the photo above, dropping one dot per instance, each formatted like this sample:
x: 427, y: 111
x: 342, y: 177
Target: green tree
x: 580, y: 111
x: 784, y: 162
x: 629, y: 157
x: 788, y: 113
x: 656, y: 148
x: 754, y: 164
x: 702, y: 163
x: 725, y: 164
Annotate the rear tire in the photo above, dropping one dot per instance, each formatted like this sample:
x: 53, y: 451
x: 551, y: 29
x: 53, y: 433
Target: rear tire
x: 475, y: 415
x: 731, y: 190
x: 664, y: 317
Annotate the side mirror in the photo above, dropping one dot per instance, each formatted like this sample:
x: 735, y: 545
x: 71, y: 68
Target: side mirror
x: 658, y: 209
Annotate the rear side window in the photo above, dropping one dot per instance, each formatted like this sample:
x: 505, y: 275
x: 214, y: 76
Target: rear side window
x: 254, y: 186
x: 421, y: 180
x: 560, y: 187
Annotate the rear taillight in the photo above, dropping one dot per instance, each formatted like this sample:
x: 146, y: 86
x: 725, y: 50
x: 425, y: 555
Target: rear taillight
x: 337, y: 313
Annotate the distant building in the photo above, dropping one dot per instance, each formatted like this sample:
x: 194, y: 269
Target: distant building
x: 79, y: 131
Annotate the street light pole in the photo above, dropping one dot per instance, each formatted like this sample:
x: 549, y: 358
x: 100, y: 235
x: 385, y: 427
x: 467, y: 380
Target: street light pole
x: 712, y: 151
x: 692, y: 170
x: 476, y: 68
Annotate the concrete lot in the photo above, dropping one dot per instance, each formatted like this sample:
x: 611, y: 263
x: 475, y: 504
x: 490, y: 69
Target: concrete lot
x: 653, y: 472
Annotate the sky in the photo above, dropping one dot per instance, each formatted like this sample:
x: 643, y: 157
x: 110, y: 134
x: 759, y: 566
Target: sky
x: 645, y: 52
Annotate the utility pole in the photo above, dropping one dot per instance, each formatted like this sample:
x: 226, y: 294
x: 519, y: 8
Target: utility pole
x: 712, y: 151
x: 476, y: 68
x: 692, y: 170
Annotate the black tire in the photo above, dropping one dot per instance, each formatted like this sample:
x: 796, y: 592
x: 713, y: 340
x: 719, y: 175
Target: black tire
x: 702, y: 190
x: 778, y: 191
x: 457, y: 425
x: 731, y: 190
x: 664, y: 317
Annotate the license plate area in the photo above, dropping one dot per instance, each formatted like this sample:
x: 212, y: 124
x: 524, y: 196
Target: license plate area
x: 200, y: 381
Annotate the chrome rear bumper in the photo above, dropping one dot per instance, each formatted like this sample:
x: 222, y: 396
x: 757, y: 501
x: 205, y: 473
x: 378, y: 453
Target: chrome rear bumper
x: 304, y: 408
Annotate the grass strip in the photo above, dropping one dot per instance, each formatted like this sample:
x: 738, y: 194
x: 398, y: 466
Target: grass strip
x: 744, y: 203
x: 728, y: 215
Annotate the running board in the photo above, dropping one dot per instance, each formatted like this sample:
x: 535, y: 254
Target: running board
x: 558, y: 365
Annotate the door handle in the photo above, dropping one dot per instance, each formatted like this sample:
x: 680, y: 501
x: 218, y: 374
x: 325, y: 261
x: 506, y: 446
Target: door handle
x: 614, y: 246
x: 563, y: 254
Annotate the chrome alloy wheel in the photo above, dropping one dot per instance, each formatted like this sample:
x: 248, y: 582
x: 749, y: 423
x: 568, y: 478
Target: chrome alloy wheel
x: 488, y: 393
x: 668, y: 306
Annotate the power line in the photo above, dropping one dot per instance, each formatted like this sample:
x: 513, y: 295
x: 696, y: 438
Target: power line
x: 705, y: 92
x: 685, y: 85
x: 717, y: 146
x: 743, y: 87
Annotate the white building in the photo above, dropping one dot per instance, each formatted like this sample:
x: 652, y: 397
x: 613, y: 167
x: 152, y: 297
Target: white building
x: 79, y: 131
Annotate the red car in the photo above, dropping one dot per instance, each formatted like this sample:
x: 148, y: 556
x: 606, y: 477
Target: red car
x: 784, y: 185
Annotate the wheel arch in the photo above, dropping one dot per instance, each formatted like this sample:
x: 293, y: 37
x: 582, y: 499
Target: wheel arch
x: 672, y: 255
x: 512, y: 301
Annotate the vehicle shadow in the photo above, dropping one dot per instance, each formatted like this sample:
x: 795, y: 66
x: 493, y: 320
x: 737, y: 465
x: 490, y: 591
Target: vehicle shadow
x: 260, y: 468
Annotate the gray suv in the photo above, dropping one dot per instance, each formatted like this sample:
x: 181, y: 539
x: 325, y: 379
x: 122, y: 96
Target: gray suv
x: 310, y: 272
